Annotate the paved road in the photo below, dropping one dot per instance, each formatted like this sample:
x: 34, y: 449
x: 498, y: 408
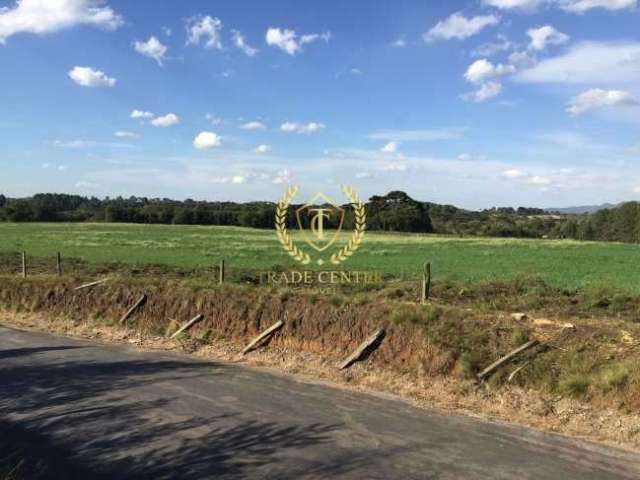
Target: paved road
x: 113, y: 412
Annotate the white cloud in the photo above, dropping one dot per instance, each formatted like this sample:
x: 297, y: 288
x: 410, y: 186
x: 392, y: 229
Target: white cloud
x: 546, y: 35
x: 140, y: 114
x: 62, y: 168
x: 514, y: 4
x: 514, y: 173
x: 312, y: 37
x: 41, y: 16
x: 294, y: 127
x: 207, y: 140
x: 204, y: 29
x: 214, y: 120
x: 166, y: 121
x: 238, y: 179
x: 522, y: 59
x: 448, y: 133
x: 482, y: 70
x: 45, y: 165
x: 240, y: 42
x: 255, y: 125
x: 574, y: 6
x: 124, y: 134
x: 487, y: 91
x: 283, y: 176
x: 152, y: 48
x: 581, y: 6
x: 262, y: 149
x: 399, y: 42
x: 589, y: 63
x: 598, y: 98
x: 391, y: 147
x: 88, y: 77
x: 287, y: 40
x: 460, y: 27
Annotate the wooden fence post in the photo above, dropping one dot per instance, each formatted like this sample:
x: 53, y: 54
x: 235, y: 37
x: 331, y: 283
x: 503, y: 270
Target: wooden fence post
x: 24, y: 264
x: 141, y: 301
x: 221, y: 272
x: 426, y: 283
x: 59, y: 264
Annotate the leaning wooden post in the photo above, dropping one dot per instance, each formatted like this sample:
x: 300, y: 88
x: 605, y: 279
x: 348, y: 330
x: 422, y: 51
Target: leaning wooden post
x: 426, y: 283
x: 508, y: 357
x: 59, y: 264
x: 188, y: 325
x: 141, y: 301
x: 221, y: 272
x: 24, y: 264
x: 367, y: 346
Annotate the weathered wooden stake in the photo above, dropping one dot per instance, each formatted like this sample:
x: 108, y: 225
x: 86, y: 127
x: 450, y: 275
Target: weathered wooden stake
x: 221, y: 272
x: 267, y: 333
x: 369, y: 344
x: 141, y: 301
x: 188, y: 325
x: 426, y: 283
x: 509, y: 356
x: 92, y: 284
x: 59, y: 264
x: 24, y: 264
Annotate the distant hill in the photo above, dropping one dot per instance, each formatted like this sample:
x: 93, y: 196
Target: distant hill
x: 582, y: 209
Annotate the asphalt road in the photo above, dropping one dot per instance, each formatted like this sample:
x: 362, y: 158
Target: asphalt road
x: 113, y: 412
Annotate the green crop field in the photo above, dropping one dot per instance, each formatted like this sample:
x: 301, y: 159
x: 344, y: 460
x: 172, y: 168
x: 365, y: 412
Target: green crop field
x: 564, y: 263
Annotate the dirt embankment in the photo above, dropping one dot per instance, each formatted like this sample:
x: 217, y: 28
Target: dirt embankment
x: 583, y: 383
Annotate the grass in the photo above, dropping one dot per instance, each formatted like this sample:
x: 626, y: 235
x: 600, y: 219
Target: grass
x: 567, y: 264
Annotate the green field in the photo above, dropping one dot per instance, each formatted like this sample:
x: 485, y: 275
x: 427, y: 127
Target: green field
x: 564, y: 263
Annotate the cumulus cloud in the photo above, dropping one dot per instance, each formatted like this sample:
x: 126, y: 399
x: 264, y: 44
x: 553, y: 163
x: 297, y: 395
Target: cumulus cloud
x: 573, y: 6
x: 514, y: 4
x: 88, y: 77
x: 390, y: 147
x: 205, y: 30
x: 125, y: 134
x: 140, y: 114
x: 166, y: 121
x: 40, y: 17
x: 589, y: 63
x: 581, y: 6
x: 294, y: 127
x: 460, y: 27
x: 483, y: 70
x: 152, y: 48
x: 255, y: 125
x: 598, y: 98
x: 207, y: 140
x: 240, y: 42
x: 288, y: 41
x: 262, y: 149
x: 546, y: 35
x: 483, y: 73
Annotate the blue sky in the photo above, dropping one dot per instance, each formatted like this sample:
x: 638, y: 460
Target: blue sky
x: 475, y: 103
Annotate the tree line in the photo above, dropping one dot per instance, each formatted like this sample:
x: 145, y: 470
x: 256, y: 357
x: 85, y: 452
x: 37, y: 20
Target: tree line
x: 395, y: 211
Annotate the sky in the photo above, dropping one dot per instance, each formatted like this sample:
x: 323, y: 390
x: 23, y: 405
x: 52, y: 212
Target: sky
x: 475, y: 103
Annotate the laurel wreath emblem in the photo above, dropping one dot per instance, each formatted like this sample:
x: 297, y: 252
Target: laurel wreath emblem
x: 300, y: 255
x: 281, y: 228
x: 358, y: 233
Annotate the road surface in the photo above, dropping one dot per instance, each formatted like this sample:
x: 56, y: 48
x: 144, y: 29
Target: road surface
x: 108, y: 411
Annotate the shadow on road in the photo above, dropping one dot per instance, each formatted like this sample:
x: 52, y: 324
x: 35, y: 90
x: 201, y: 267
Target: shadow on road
x: 105, y: 419
x: 19, y: 352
